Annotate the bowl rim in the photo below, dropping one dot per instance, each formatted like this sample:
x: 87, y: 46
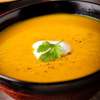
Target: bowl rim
x: 81, y: 81
x: 38, y: 2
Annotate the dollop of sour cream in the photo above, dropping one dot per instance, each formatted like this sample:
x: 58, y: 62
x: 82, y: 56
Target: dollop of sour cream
x: 65, y: 47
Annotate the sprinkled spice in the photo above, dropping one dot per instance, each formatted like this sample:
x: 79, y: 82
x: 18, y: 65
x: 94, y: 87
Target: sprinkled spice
x: 46, y: 71
x: 79, y: 41
x: 69, y: 53
x: 29, y: 68
x: 51, y: 67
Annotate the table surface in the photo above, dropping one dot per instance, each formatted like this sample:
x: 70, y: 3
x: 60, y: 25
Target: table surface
x: 4, y: 96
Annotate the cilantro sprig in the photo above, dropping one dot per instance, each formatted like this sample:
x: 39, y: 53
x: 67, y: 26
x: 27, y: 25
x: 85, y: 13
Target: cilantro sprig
x: 50, y: 51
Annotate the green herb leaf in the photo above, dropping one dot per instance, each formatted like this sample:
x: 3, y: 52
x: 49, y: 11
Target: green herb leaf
x: 43, y: 47
x: 54, y: 51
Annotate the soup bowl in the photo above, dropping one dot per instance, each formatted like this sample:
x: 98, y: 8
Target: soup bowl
x: 78, y: 89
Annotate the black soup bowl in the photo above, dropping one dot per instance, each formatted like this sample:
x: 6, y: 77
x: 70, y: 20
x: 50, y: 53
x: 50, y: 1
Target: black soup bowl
x: 79, y: 89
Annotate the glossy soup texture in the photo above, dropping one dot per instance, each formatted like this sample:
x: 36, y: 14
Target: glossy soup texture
x: 82, y: 33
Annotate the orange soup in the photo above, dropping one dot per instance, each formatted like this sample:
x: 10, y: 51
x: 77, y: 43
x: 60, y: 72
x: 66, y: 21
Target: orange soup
x: 81, y: 33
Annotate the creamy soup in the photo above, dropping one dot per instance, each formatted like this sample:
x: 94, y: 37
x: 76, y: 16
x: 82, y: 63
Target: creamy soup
x: 81, y: 33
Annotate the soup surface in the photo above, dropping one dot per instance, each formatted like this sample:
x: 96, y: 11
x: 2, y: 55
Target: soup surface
x: 82, y: 33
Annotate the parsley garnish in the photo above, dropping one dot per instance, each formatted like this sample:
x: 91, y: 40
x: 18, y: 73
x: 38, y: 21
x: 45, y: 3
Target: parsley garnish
x: 50, y: 51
